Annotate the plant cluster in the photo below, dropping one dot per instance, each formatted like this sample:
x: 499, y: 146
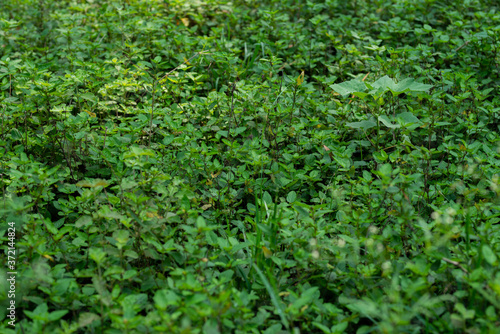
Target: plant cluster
x: 272, y: 166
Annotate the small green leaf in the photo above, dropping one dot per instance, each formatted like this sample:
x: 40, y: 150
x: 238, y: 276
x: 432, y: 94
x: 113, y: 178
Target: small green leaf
x: 97, y: 254
x: 291, y: 197
x: 385, y: 120
x: 84, y: 220
x: 200, y: 222
x: 89, y: 97
x: 343, y: 161
x: 50, y: 227
x: 185, y: 203
x: 380, y: 156
x: 86, y: 318
x: 488, y: 254
x: 267, y: 198
x: 56, y: 315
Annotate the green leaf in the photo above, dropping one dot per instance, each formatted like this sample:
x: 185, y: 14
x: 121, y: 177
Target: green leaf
x: 291, y: 197
x: 407, y: 119
x: 40, y: 312
x: 56, y: 315
x: 380, y: 156
x: 349, y: 87
x: 412, y: 86
x: 385, y: 83
x: 200, y: 222
x: 343, y: 161
x: 325, y: 329
x: 86, y: 318
x: 365, y: 125
x: 488, y: 254
x: 284, y: 181
x: 305, y: 299
x: 89, y: 97
x: 267, y: 198
x: 164, y: 298
x: 301, y: 209
x: 121, y: 236
x: 15, y: 134
x: 185, y: 203
x: 240, y: 129
x: 83, y: 221
x: 50, y: 227
x: 385, y: 120
x: 97, y: 254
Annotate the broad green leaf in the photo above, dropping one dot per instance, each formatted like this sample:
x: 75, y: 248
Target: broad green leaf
x: 86, y: 318
x: 361, y: 95
x: 305, y: 299
x: 267, y: 198
x: 97, y: 254
x: 385, y: 120
x: 364, y: 125
x: 343, y: 161
x: 56, y: 315
x: 349, y: 87
x: 385, y: 83
x: 284, y: 181
x: 381, y: 156
x: 240, y: 129
x: 50, y: 227
x: 89, y: 97
x: 407, y: 118
x: 200, y: 222
x: 185, y: 203
x: 303, y: 212
x: 121, y: 236
x: 341, y: 216
x: 164, y: 298
x: 411, y: 85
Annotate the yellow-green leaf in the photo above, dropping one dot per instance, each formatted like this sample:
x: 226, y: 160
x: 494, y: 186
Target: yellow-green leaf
x: 300, y: 79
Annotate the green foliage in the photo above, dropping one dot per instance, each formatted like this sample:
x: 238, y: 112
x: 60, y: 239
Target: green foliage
x: 245, y: 167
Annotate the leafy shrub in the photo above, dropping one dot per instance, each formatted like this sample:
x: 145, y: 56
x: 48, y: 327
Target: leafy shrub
x: 247, y: 167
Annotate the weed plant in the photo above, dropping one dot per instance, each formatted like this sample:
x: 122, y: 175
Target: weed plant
x: 273, y: 166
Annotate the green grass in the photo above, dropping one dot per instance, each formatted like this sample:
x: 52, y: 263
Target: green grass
x: 250, y: 167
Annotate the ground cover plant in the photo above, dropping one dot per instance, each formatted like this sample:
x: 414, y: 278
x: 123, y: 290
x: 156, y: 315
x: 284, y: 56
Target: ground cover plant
x: 271, y: 166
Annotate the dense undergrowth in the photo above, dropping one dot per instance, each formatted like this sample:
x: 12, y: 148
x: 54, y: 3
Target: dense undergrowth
x: 250, y: 166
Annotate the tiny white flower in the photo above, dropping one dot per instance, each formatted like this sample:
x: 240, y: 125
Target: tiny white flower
x: 369, y: 242
x: 315, y: 254
x: 373, y: 230
x: 341, y: 243
x: 386, y: 266
x: 451, y: 211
